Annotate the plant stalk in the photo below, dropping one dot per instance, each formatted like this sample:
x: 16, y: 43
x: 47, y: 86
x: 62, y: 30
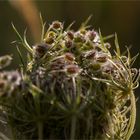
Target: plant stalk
x: 73, y: 128
x: 40, y: 131
x: 133, y: 116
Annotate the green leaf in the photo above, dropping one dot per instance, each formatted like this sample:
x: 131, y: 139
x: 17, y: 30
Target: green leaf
x: 117, y: 45
x: 133, y: 59
x: 23, y: 40
x: 108, y: 37
x: 17, y: 33
x: 27, y: 46
x: 84, y: 24
x: 102, y: 42
x: 68, y: 28
x: 20, y: 56
x: 43, y: 27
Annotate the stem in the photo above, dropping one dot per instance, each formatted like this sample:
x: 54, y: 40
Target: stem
x: 73, y: 121
x: 132, y: 117
x: 74, y: 87
x: 40, y: 131
x: 73, y: 128
x: 13, y: 133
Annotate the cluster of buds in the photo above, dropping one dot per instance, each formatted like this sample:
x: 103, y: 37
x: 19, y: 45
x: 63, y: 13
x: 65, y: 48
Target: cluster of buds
x: 75, y: 88
x: 84, y: 54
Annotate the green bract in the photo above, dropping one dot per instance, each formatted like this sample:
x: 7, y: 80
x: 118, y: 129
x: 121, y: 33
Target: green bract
x: 72, y: 87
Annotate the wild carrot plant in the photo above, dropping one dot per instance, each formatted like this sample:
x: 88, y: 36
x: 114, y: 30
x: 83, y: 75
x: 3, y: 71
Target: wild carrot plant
x: 71, y: 87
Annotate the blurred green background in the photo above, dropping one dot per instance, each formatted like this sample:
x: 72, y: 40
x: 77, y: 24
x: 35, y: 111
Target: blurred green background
x: 122, y: 17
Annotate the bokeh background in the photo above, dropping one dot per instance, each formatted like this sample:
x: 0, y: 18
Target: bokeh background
x: 122, y: 17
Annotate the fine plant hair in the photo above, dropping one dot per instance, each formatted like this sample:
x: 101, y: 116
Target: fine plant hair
x: 71, y: 87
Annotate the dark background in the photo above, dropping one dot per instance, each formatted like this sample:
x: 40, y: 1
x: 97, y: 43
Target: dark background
x: 122, y: 17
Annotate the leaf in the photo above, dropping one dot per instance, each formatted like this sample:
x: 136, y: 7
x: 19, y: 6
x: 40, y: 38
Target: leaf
x: 43, y: 27
x: 20, y: 56
x: 117, y: 45
x: 68, y: 28
x: 23, y: 40
x: 102, y: 42
x: 27, y: 46
x: 125, y: 52
x: 129, y: 56
x: 133, y: 59
x: 108, y: 37
x: 84, y: 24
x: 17, y: 33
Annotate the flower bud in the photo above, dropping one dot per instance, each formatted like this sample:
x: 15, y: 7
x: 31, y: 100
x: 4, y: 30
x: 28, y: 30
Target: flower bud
x: 41, y: 49
x: 50, y: 37
x: 69, y: 57
x: 90, y: 54
x: 57, y: 25
x: 49, y: 40
x: 91, y: 35
x: 124, y: 59
x: 14, y: 77
x: 5, y: 61
x: 79, y: 37
x: 95, y: 66
x: 52, y: 34
x: 70, y: 35
x: 101, y: 57
x: 83, y: 31
x: 108, y: 67
x: 72, y: 69
x: 68, y: 43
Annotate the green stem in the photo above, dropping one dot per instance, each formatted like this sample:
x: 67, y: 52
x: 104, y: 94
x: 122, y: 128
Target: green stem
x: 132, y: 117
x: 74, y: 87
x: 13, y: 133
x: 40, y: 131
x: 73, y: 128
